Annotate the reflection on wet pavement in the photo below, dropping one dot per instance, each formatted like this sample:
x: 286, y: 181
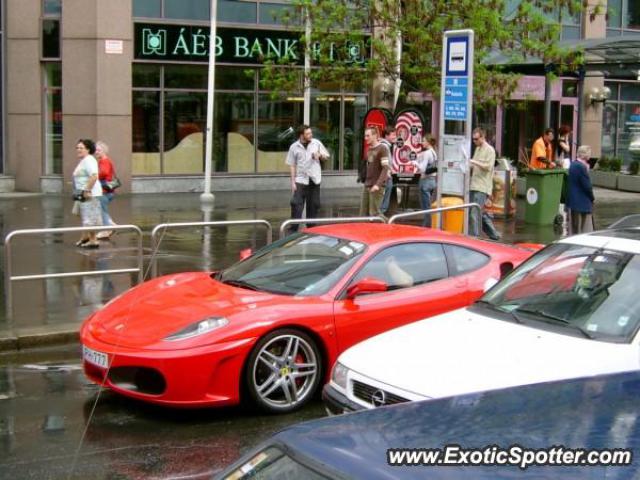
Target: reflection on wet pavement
x: 63, y: 303
x: 45, y: 408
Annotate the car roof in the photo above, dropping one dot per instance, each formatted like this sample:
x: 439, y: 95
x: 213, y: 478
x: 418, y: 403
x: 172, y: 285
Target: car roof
x: 583, y: 413
x: 622, y: 239
x: 372, y: 233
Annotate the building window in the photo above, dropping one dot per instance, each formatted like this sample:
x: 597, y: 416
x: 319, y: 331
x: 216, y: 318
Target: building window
x: 50, y: 38
x: 274, y: 13
x: 235, y: 11
x: 268, y: 12
x: 623, y: 16
x: 147, y: 8
x: 174, y: 9
x: 52, y: 76
x: 621, y: 122
x: 252, y: 130
x: 52, y: 7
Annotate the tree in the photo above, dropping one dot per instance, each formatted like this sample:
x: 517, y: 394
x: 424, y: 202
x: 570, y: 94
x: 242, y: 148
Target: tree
x: 403, y: 39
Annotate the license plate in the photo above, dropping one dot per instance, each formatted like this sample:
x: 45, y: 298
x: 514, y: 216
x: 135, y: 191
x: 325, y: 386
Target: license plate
x: 97, y: 358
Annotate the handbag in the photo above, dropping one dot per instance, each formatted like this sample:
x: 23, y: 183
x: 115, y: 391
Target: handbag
x: 78, y: 196
x: 112, y: 184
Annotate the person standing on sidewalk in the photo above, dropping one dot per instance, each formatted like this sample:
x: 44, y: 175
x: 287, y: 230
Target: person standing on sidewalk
x: 378, y: 160
x: 563, y: 149
x: 427, y: 165
x: 563, y: 160
x: 542, y: 151
x: 580, y: 193
x: 481, y: 185
x: 106, y: 174
x: 87, y: 186
x: 389, y: 140
x: 304, y: 159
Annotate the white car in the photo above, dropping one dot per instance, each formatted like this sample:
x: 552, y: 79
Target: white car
x: 572, y: 310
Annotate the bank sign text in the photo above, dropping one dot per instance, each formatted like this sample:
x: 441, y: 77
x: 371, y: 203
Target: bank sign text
x: 232, y: 45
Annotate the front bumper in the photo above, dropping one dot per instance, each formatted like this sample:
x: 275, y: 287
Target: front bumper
x: 336, y: 403
x: 198, y: 377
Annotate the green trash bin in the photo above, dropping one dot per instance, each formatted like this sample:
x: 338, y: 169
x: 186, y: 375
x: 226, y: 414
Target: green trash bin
x: 544, y: 188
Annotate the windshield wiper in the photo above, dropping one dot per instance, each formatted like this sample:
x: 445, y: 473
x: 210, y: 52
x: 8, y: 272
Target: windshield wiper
x: 555, y: 319
x: 241, y: 284
x: 496, y: 308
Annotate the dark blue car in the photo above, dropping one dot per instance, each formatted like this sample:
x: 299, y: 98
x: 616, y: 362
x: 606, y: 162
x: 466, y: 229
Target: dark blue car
x: 584, y: 428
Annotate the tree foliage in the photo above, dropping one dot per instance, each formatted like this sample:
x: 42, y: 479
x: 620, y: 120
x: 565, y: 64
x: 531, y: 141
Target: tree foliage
x: 344, y: 33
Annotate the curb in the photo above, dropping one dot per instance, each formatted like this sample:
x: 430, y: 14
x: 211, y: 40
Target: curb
x: 31, y: 340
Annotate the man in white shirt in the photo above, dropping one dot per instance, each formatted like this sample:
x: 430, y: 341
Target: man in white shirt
x: 304, y: 159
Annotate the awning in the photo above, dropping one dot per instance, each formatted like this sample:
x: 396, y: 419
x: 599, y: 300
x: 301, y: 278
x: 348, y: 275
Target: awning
x: 615, y: 57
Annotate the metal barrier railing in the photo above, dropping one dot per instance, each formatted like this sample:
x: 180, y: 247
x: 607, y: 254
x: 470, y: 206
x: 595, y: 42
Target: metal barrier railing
x: 437, y: 210
x: 155, y: 244
x: 325, y: 221
x: 9, y: 278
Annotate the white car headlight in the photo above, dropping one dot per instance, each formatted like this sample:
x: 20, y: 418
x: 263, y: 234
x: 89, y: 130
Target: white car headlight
x: 339, y: 375
x: 198, y: 328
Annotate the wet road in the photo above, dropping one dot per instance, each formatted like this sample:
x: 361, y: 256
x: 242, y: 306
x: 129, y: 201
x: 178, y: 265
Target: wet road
x: 55, y: 425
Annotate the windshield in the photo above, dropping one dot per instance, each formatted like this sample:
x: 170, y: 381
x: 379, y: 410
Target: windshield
x: 273, y: 464
x: 303, y: 264
x: 587, y: 290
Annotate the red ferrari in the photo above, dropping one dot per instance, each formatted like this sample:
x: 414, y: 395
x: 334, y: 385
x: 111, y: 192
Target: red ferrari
x: 269, y: 328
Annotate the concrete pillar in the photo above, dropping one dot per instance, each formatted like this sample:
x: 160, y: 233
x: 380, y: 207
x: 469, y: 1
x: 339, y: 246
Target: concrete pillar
x: 24, y: 148
x: 593, y: 26
x: 96, y: 80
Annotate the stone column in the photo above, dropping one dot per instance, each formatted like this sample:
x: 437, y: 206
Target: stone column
x: 593, y: 26
x: 96, y: 80
x: 24, y: 132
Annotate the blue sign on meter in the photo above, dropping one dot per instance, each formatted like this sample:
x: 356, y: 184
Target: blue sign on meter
x: 456, y: 94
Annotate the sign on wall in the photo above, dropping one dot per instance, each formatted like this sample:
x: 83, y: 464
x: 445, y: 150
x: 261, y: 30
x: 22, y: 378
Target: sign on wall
x: 190, y: 43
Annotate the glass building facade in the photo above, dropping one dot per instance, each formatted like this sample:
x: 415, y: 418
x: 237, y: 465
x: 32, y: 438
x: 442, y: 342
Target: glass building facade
x: 253, y: 128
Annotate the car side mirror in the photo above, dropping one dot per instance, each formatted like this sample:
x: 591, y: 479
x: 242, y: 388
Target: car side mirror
x: 246, y: 253
x: 505, y: 269
x: 366, y: 285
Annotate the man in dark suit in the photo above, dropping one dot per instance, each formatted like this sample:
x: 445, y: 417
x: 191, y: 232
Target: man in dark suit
x: 580, y: 195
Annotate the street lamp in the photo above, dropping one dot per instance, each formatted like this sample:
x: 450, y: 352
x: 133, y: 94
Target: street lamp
x: 207, y: 196
x: 598, y: 95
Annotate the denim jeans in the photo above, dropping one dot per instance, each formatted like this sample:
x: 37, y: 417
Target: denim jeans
x: 427, y: 187
x: 474, y: 221
x: 105, y: 200
x: 386, y: 200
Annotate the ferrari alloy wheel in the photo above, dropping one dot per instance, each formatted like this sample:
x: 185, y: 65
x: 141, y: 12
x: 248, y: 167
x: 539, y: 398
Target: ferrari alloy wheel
x: 283, y: 371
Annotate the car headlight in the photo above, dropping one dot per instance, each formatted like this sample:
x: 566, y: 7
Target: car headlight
x: 199, y: 328
x: 339, y: 375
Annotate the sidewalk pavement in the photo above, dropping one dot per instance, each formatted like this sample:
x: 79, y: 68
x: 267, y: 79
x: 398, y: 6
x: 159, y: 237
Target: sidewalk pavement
x: 50, y: 312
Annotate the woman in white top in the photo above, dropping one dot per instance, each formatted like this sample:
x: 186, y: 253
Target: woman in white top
x: 85, y: 183
x: 427, y: 165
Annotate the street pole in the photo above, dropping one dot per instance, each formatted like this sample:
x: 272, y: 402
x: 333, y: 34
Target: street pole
x: 547, y: 96
x: 207, y: 196
x: 306, y: 108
